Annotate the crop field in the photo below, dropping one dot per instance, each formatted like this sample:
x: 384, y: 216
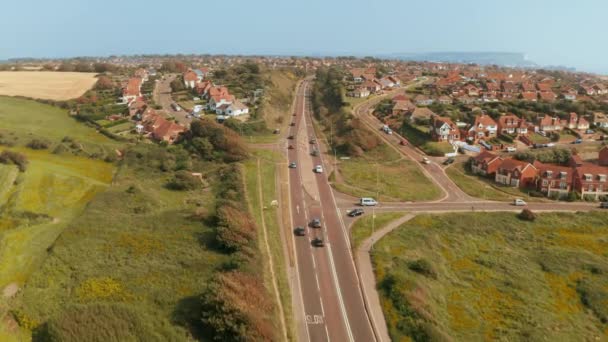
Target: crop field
x: 47, y: 85
x: 492, y: 276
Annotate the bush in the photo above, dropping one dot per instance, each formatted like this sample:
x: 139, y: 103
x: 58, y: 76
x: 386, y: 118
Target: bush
x: 10, y: 157
x: 572, y: 196
x: 423, y: 267
x: 527, y: 215
x: 183, y: 180
x: 37, y: 144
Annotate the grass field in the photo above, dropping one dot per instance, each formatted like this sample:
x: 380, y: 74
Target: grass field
x: 422, y: 140
x: 483, y: 188
x: 538, y: 139
x: 397, y: 179
x: 46, y: 84
x: 267, y: 170
x: 22, y: 120
x: 364, y: 227
x: 491, y: 276
x: 137, y: 244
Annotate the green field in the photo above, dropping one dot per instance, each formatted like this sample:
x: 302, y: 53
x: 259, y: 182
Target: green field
x: 422, y: 139
x: 383, y: 171
x: 492, y: 276
x: 366, y: 225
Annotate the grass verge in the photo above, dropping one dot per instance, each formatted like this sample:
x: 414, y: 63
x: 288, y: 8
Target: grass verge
x: 362, y: 228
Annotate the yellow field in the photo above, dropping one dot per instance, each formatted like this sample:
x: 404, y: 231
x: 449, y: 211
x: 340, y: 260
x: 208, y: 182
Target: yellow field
x: 46, y: 84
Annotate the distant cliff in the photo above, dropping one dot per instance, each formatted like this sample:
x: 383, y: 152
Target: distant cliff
x: 512, y: 59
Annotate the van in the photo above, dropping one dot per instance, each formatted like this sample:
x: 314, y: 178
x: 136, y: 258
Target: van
x: 367, y: 201
x: 519, y: 202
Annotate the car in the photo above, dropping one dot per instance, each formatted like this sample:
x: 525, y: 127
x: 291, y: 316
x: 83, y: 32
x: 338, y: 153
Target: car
x: 318, y: 242
x: 290, y: 147
x: 292, y: 124
x: 519, y: 202
x: 448, y: 161
x: 315, y: 153
x: 276, y: 131
x: 294, y: 114
x: 511, y: 149
x: 315, y: 222
x: 550, y: 145
x: 577, y: 141
x: 367, y: 201
x: 426, y: 160
x: 312, y: 141
x: 604, y: 205
x: 403, y: 142
x: 299, y: 231
x: 589, y: 131
x: 292, y: 165
x: 355, y: 212
x: 318, y: 169
x: 290, y: 137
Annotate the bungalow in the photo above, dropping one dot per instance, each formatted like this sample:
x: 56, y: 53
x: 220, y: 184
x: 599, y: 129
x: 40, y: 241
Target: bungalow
x: 515, y: 173
x: 160, y: 128
x: 443, y: 129
x: 421, y: 114
x: 484, y: 127
x: 511, y: 124
x: 600, y: 120
x: 236, y: 108
x: 402, y: 107
x: 554, y: 179
x: 423, y: 100
x: 485, y: 163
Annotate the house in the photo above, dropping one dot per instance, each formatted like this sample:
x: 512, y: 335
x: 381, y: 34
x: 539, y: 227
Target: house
x: 202, y: 88
x: 443, y: 129
x: 544, y: 87
x: 471, y: 90
x: 528, y: 87
x: 590, y: 180
x: 236, y: 108
x: 485, y: 163
x: 160, y: 128
x: 386, y: 83
x: 372, y: 86
x: 444, y: 100
x: 141, y: 73
x: 549, y: 124
x: 600, y: 89
x: 402, y: 107
x: 396, y: 81
x: 400, y: 97
x: 132, y: 91
x: 588, y: 90
x: 466, y: 99
x: 569, y: 93
x: 600, y: 120
x: 548, y: 96
x: 511, y: 124
x: 190, y: 79
x: 515, y: 173
x: 484, y: 127
x: 218, y: 100
x: 529, y: 96
x: 423, y: 100
x: 360, y: 92
x: 576, y: 122
x: 421, y: 114
x: 603, y: 156
x: 554, y: 179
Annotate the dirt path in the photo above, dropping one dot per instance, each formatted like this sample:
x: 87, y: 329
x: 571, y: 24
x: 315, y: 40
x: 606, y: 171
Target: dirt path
x: 368, y: 279
x: 275, y: 285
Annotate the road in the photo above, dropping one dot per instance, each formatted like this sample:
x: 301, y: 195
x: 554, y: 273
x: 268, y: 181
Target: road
x: 327, y: 278
x: 162, y: 97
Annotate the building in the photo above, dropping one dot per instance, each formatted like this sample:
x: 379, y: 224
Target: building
x: 590, y: 180
x: 484, y: 128
x: 603, y: 156
x: 600, y: 120
x: 512, y: 125
x: 554, y: 180
x: 485, y: 163
x: 359, y: 92
x: 515, y: 173
x: 421, y: 114
x: 550, y: 124
x: 443, y: 129
x: 132, y: 91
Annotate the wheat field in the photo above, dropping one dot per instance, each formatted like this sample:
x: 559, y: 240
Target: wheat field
x: 46, y: 84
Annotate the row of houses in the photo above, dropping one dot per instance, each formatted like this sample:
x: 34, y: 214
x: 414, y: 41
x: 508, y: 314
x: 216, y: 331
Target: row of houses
x: 219, y: 99
x: 584, y: 178
x: 366, y: 82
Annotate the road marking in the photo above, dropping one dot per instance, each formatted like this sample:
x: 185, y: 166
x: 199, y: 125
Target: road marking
x: 315, y: 319
x: 298, y: 208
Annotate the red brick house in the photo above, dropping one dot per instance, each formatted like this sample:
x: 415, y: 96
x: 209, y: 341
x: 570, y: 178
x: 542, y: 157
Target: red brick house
x: 486, y: 163
x: 591, y: 180
x: 554, y: 179
x: 443, y: 129
x: 511, y: 124
x: 603, y: 156
x: 515, y: 173
x: 484, y: 127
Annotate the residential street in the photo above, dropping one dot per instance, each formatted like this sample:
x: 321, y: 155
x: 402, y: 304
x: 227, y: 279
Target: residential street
x: 162, y: 96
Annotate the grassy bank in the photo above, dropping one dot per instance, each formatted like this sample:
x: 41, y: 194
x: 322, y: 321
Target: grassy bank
x: 495, y: 277
x: 364, y: 227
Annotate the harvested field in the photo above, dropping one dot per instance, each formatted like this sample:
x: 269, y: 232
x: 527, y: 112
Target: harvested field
x: 46, y: 84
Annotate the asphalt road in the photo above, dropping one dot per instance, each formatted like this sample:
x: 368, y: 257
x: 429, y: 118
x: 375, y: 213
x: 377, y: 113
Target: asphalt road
x: 328, y: 282
x: 162, y: 97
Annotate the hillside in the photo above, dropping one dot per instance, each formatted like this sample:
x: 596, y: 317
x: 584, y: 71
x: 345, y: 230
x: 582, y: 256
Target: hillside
x: 472, y: 277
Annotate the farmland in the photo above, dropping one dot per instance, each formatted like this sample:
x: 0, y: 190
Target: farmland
x: 493, y: 276
x: 47, y: 85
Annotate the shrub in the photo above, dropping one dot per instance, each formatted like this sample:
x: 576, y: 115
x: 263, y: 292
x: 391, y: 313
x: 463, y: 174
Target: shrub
x: 572, y: 196
x: 10, y: 157
x: 37, y: 144
x: 183, y: 180
x: 236, y: 230
x: 423, y: 267
x: 527, y: 215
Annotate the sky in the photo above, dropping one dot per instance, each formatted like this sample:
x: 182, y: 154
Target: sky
x: 556, y: 32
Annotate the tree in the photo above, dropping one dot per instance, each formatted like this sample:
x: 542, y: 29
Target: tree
x: 104, y: 82
x: 183, y: 180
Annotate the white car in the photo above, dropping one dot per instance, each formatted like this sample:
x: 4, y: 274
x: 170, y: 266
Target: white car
x: 367, y: 201
x: 426, y: 160
x: 511, y: 149
x: 319, y: 169
x: 519, y: 202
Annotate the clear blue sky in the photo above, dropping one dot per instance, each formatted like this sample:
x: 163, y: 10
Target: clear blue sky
x: 565, y: 32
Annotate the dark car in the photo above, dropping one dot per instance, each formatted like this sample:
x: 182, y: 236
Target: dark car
x: 315, y: 223
x: 290, y: 147
x: 448, y: 161
x: 312, y: 141
x: 292, y: 124
x: 292, y: 165
x: 318, y: 242
x: 290, y: 137
x: 315, y: 153
x: 294, y: 114
x: 299, y: 231
x: 577, y: 141
x: 604, y: 205
x: 355, y: 212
